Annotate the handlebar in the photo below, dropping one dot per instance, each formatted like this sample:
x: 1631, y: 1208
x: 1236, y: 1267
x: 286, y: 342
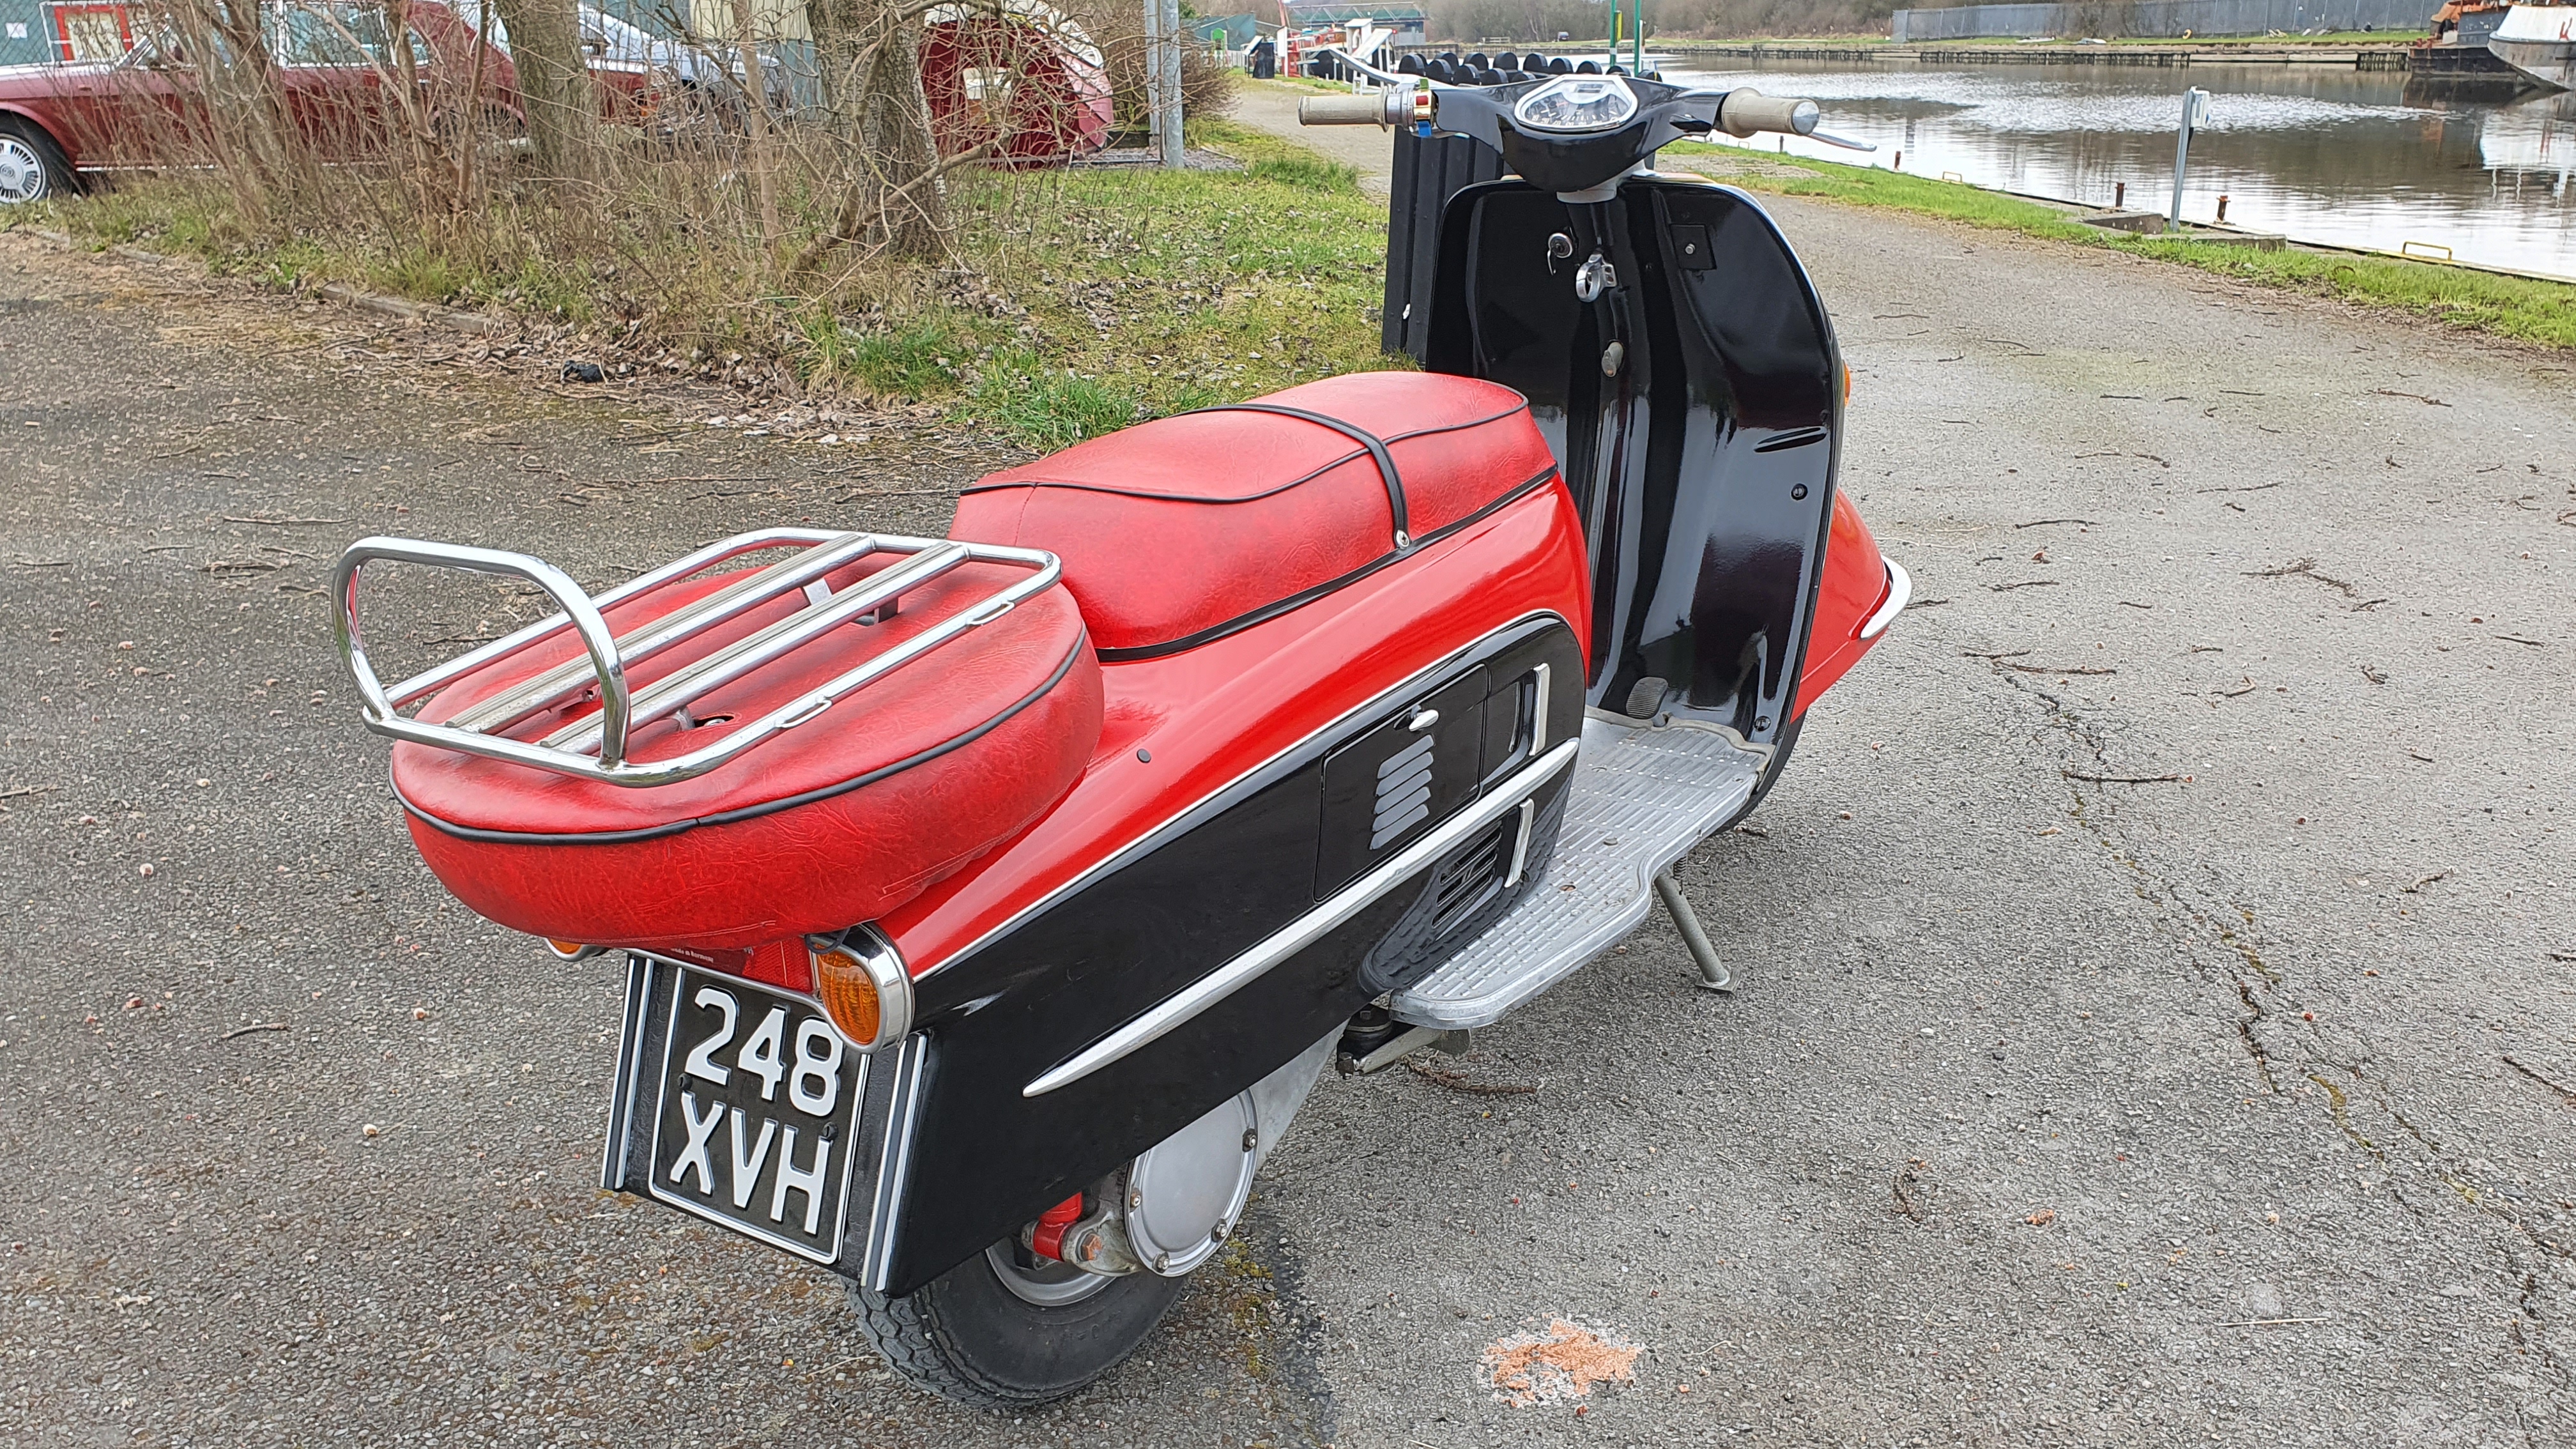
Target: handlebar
x: 1569, y: 160
x: 1747, y: 112
x: 1382, y: 108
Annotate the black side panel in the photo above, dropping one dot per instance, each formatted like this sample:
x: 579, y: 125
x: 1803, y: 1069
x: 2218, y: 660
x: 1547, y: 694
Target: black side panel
x: 1384, y: 789
x: 1702, y: 453
x: 985, y: 1159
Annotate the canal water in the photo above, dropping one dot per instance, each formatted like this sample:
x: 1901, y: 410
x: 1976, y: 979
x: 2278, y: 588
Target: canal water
x: 2366, y: 159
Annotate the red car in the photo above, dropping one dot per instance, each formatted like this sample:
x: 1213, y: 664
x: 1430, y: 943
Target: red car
x: 335, y: 68
x: 1020, y: 76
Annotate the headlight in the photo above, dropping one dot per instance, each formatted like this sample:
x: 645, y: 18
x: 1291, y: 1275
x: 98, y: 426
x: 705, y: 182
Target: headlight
x: 1577, y: 103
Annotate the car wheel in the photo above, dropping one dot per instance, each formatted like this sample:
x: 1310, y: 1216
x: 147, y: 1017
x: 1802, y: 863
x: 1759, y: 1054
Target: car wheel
x: 31, y: 165
x: 1006, y: 1330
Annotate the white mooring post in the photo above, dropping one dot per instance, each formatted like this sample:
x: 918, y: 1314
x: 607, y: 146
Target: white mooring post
x: 2195, y: 113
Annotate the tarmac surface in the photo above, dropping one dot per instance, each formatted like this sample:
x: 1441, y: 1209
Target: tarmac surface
x: 2158, y: 1009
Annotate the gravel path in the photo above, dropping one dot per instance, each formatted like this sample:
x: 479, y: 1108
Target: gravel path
x: 2156, y: 1023
x: 1272, y: 106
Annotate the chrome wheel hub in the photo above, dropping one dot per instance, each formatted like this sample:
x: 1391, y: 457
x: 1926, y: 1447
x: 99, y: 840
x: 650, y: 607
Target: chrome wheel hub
x: 22, y: 172
x: 1046, y: 1284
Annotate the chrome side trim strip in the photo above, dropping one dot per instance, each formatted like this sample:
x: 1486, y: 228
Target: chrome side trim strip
x: 1900, y: 589
x: 1521, y: 844
x: 630, y: 1068
x: 902, y: 1108
x: 1224, y: 981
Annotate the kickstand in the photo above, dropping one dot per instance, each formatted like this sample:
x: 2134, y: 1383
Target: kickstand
x: 1712, y: 972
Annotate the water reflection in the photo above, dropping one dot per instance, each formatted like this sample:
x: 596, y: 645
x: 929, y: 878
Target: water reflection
x: 2355, y: 158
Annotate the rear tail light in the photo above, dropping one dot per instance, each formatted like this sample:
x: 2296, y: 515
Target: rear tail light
x: 864, y: 989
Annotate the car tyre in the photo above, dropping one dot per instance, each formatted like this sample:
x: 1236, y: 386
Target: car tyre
x: 1004, y: 1331
x: 32, y: 167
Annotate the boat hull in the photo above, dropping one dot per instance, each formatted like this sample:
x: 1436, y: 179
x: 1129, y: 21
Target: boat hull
x: 2539, y: 41
x: 2548, y: 62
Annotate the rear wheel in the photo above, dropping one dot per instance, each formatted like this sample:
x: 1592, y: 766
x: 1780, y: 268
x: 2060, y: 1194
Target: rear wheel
x: 31, y: 165
x: 1008, y: 1330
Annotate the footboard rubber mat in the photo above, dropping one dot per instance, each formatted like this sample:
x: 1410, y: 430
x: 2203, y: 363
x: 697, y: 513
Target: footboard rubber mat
x: 1643, y: 795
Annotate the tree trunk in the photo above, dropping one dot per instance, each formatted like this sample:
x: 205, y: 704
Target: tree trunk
x: 871, y: 53
x: 756, y: 117
x: 554, y: 85
x: 243, y: 129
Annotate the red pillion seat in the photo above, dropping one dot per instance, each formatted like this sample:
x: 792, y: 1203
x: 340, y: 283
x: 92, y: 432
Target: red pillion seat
x: 1183, y: 530
x: 828, y: 824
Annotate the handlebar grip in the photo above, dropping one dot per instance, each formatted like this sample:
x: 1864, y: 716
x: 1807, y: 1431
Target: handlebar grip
x: 1746, y: 111
x: 1384, y: 108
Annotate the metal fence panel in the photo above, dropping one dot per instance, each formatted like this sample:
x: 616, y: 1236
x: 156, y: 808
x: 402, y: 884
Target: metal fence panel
x: 2158, y: 18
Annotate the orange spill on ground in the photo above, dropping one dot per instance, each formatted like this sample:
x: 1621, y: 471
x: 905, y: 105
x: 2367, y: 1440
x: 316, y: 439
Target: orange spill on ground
x: 1528, y: 1369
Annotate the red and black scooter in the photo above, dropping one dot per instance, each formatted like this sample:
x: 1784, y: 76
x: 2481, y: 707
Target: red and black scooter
x: 991, y: 903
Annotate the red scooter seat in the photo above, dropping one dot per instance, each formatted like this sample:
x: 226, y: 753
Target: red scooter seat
x: 833, y: 822
x: 1183, y: 530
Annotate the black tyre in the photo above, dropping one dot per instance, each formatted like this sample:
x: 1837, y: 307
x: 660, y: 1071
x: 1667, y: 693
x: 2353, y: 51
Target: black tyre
x: 1004, y: 1330
x: 32, y: 167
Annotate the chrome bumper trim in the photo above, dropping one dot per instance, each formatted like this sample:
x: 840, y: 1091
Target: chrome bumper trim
x: 1900, y: 588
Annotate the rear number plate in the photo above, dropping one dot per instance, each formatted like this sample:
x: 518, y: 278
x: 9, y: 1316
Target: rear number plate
x: 756, y: 1113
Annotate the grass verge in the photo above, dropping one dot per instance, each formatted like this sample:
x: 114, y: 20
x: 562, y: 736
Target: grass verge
x: 2521, y: 308
x: 1077, y: 302
x: 1139, y: 292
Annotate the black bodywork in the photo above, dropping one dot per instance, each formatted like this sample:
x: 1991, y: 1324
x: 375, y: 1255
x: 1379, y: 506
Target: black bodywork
x: 1701, y: 453
x: 983, y: 1159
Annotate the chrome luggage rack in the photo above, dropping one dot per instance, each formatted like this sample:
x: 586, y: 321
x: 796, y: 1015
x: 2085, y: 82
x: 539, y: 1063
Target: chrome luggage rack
x: 594, y: 748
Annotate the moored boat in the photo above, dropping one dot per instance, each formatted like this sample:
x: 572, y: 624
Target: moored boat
x: 2539, y: 41
x: 2458, y: 45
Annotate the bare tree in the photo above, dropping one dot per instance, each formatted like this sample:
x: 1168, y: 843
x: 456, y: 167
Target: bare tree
x: 554, y: 84
x: 871, y: 54
x: 228, y: 49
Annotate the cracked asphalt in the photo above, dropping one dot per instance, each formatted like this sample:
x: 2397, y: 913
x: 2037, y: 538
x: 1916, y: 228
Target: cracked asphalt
x: 2156, y: 1023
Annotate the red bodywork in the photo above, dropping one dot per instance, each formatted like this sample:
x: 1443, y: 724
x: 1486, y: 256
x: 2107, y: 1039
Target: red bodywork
x: 837, y: 822
x: 1025, y: 81
x: 1210, y: 715
x: 127, y: 112
x: 1226, y: 616
x: 1214, y: 713
x: 1856, y: 582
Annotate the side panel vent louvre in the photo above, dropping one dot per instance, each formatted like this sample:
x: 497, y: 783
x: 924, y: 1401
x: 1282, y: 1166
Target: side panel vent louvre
x: 1472, y: 878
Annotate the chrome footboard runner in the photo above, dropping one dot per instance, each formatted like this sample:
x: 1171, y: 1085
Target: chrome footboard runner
x: 595, y: 747
x: 1642, y: 796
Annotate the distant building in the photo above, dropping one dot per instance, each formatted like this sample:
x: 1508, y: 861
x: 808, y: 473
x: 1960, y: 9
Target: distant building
x: 1407, y: 21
